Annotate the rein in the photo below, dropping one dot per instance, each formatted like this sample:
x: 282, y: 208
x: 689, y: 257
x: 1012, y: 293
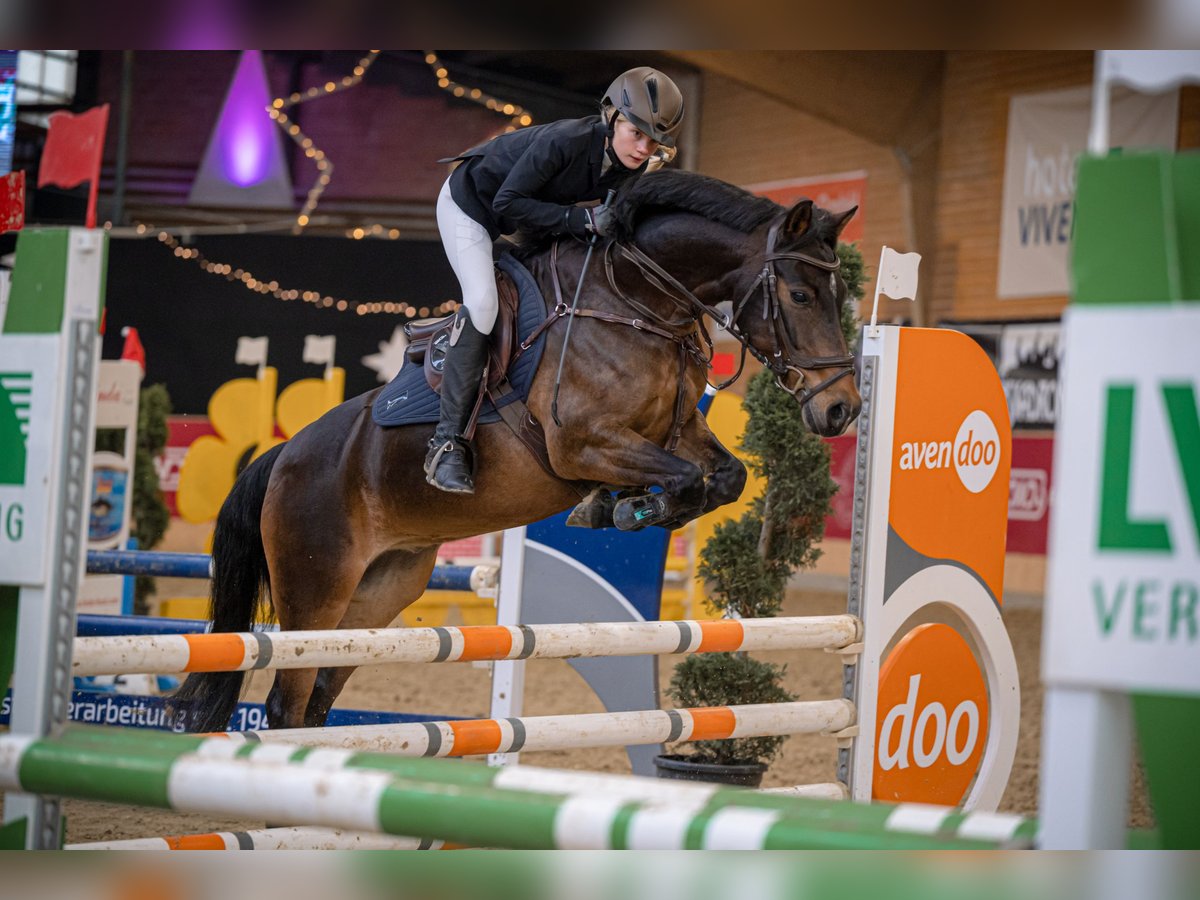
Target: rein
x: 785, y: 357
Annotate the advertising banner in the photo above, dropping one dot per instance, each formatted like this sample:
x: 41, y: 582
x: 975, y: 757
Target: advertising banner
x: 1047, y: 132
x: 1123, y: 604
x: 930, y: 572
x: 8, y: 107
x: 1027, y: 355
x: 836, y: 193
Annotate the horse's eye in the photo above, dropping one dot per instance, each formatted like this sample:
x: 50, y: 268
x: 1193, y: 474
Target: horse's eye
x: 801, y: 297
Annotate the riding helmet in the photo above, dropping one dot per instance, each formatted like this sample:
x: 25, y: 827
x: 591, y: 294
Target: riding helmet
x: 648, y: 99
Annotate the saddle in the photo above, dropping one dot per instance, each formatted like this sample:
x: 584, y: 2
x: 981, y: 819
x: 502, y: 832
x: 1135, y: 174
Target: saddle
x: 428, y: 340
x: 514, y: 354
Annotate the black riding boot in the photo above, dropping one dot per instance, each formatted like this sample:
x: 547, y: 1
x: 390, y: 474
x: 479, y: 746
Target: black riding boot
x: 448, y: 464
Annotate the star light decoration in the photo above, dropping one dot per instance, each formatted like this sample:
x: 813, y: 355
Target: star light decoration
x: 518, y: 118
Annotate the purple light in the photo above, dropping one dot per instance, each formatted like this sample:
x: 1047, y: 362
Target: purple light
x: 245, y: 132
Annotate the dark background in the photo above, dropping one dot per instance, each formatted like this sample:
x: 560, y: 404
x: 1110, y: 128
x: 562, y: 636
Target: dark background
x: 189, y: 320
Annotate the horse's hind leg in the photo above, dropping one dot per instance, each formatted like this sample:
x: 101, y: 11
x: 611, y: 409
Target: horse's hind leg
x: 310, y: 591
x: 393, y: 581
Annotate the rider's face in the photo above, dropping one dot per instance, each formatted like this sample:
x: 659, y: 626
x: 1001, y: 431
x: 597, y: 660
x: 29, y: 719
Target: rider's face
x: 631, y: 146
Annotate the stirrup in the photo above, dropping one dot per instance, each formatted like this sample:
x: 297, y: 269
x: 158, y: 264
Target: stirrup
x: 466, y: 478
x: 434, y: 456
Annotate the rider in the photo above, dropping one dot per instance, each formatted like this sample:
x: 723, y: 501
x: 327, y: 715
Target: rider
x: 529, y: 181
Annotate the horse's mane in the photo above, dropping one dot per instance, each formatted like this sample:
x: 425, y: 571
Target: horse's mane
x: 671, y: 190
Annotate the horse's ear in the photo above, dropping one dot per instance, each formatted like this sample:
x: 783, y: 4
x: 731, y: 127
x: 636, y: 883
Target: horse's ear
x: 799, y: 217
x: 841, y: 221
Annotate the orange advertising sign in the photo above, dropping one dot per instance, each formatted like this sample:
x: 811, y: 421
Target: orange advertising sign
x: 940, y: 712
x: 933, y: 719
x: 836, y: 193
x: 951, y: 440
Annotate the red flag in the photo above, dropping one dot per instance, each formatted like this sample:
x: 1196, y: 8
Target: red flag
x: 74, y: 148
x: 133, y: 348
x: 12, y: 201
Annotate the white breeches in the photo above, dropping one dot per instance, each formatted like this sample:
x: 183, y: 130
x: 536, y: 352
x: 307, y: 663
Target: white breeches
x: 469, y: 249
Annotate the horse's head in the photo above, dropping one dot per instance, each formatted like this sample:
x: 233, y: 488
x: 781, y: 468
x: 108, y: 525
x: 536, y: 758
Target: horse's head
x: 792, y: 316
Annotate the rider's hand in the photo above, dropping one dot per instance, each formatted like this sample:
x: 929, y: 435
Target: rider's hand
x: 602, y: 220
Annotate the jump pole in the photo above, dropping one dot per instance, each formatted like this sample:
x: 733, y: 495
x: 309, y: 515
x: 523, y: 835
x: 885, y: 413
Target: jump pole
x: 475, y: 737
x: 231, y: 652
x: 514, y: 806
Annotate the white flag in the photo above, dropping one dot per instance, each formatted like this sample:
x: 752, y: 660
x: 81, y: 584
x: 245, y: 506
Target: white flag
x: 898, y: 274
x: 319, y: 349
x: 251, y: 351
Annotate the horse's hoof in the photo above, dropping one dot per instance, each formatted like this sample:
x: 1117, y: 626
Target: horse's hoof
x: 588, y: 516
x: 640, y: 512
x: 594, y: 512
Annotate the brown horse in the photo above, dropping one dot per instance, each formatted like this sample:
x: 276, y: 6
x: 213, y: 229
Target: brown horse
x: 339, y: 526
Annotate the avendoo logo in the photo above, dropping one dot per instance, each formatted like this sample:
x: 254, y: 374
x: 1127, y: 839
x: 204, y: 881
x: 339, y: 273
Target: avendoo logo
x: 933, y: 718
x: 974, y: 452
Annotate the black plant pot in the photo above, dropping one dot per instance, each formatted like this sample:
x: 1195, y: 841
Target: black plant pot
x: 685, y: 768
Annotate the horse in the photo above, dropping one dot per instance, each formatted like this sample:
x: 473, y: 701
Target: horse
x: 338, y: 526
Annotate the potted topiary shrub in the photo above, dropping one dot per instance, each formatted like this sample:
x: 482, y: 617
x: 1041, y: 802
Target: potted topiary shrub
x: 747, y: 562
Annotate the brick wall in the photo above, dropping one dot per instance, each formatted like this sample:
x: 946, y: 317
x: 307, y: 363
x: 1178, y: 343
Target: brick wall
x: 975, y: 116
x: 749, y: 138
x: 975, y: 102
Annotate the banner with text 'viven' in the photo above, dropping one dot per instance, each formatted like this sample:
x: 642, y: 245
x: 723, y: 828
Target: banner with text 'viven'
x: 1047, y: 132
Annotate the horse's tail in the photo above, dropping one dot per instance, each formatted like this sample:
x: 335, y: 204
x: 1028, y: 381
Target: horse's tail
x: 207, y: 699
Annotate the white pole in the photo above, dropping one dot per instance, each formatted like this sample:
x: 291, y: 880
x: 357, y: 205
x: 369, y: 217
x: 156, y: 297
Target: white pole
x: 1098, y: 134
x: 1087, y: 739
x: 873, y: 331
x: 508, y: 676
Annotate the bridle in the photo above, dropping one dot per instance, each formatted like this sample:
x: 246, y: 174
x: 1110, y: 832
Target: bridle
x: 785, y: 357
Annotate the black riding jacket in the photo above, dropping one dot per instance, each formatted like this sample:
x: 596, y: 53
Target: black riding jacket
x: 529, y: 180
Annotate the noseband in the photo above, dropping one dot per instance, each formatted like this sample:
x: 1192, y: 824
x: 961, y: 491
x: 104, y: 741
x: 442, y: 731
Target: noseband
x: 785, y: 357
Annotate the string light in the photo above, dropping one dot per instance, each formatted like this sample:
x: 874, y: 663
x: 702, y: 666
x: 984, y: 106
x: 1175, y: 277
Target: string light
x: 517, y: 116
x: 272, y: 288
x: 304, y: 142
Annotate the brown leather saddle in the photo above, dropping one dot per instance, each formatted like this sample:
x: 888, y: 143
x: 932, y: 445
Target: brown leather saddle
x: 428, y: 339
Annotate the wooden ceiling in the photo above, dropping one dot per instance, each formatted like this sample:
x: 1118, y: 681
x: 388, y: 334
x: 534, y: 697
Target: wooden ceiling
x: 888, y: 97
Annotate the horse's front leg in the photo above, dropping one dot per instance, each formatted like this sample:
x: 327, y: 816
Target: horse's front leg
x: 614, y: 454
x: 724, y: 473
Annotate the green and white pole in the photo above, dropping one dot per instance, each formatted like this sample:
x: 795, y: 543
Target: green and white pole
x: 49, y: 348
x: 513, y: 807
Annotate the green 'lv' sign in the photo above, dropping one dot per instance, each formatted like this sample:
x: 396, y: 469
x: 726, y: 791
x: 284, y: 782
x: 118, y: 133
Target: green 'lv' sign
x: 1118, y: 531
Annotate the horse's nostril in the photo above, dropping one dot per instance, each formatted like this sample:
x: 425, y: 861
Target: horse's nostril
x: 838, y: 416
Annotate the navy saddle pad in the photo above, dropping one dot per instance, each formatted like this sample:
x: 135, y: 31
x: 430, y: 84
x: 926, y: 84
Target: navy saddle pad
x: 409, y: 400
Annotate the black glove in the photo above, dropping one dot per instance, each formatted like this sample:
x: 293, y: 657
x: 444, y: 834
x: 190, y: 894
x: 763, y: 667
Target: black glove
x: 602, y: 220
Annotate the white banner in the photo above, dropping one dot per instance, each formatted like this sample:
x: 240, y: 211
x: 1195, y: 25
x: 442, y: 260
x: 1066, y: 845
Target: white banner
x: 1046, y: 134
x: 1123, y: 587
x: 30, y: 378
